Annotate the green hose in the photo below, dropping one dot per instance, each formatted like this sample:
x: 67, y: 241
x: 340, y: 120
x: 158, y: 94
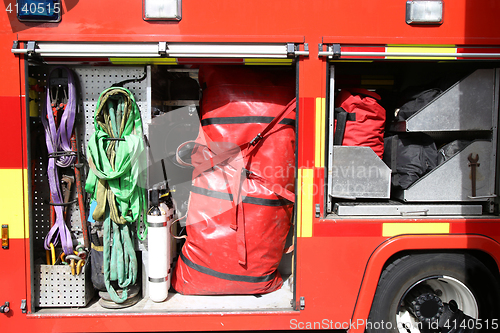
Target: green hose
x: 114, y: 184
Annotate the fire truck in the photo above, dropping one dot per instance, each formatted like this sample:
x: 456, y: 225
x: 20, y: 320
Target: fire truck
x: 363, y: 254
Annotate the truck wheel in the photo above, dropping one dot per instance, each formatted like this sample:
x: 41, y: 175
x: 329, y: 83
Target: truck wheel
x: 435, y: 292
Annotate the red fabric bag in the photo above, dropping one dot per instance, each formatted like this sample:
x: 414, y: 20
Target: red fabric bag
x: 241, y: 203
x: 364, y: 122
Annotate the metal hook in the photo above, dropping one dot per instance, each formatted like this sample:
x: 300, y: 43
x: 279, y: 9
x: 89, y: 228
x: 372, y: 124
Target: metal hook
x: 122, y: 83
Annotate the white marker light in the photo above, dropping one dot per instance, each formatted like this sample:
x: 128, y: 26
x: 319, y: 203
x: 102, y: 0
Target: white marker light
x: 424, y: 12
x: 162, y: 10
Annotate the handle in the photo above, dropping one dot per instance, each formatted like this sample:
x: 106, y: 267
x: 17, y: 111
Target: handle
x: 423, y: 211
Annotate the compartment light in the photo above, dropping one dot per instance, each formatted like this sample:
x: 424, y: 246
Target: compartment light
x: 424, y: 12
x: 162, y: 10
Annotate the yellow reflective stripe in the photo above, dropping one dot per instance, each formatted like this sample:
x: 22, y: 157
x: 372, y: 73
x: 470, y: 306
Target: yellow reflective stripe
x: 140, y: 61
x: 14, y: 201
x: 306, y: 210
x: 420, y: 49
x: 422, y: 45
x: 319, y: 144
x: 393, y: 229
x: 299, y: 203
x: 258, y: 61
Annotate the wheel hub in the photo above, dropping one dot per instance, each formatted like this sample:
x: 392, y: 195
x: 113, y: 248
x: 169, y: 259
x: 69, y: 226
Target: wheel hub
x: 441, y: 304
x: 427, y: 307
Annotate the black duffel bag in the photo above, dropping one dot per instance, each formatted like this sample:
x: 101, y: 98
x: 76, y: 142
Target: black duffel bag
x: 415, y: 102
x: 410, y: 156
x: 448, y: 151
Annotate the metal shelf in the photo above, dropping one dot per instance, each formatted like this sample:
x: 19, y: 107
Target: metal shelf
x: 466, y: 106
x: 451, y: 181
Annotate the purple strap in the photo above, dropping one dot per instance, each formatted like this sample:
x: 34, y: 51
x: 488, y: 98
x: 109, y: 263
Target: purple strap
x: 60, y: 155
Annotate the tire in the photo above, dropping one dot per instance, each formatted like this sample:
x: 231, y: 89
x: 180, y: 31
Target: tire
x: 467, y: 295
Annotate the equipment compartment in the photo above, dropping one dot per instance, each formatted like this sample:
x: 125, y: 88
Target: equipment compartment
x: 169, y: 119
x: 466, y: 110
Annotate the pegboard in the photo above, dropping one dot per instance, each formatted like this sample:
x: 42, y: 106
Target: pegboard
x: 91, y: 81
x: 56, y: 286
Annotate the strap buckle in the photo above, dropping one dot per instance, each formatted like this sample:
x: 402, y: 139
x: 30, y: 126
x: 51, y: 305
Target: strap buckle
x: 256, y: 140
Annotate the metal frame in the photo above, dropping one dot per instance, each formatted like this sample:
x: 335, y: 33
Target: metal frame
x: 495, y: 164
x: 160, y: 49
x: 331, y: 128
x: 334, y: 51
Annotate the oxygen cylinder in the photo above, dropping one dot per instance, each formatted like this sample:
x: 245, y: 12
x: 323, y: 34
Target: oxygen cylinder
x: 169, y: 212
x: 159, y: 221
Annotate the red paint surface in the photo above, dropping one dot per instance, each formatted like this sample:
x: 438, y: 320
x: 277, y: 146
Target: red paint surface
x: 13, y: 130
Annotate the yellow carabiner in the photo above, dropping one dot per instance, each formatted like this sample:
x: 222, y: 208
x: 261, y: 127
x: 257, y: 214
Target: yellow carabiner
x: 73, y: 266
x: 79, y: 266
x: 53, y: 253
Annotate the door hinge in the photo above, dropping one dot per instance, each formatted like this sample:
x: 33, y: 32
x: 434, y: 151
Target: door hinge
x: 31, y: 47
x: 318, y: 210
x: 162, y: 48
x: 23, y: 306
x: 293, y: 50
x: 333, y: 51
x: 302, y: 303
x: 336, y: 51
